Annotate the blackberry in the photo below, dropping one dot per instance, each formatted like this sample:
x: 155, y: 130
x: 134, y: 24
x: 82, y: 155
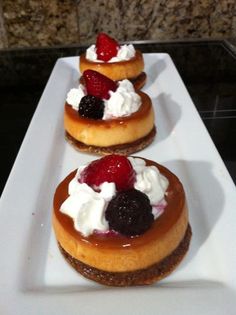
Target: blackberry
x: 91, y: 107
x: 129, y: 213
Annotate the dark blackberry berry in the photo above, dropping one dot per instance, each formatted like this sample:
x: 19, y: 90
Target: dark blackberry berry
x: 129, y: 213
x: 91, y: 107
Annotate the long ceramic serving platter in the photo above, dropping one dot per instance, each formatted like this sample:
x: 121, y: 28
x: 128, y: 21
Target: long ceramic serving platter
x: 34, y: 277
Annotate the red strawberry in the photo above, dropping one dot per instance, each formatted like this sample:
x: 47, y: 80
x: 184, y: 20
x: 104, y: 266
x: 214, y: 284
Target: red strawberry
x: 107, y: 47
x: 98, y: 85
x: 111, y: 168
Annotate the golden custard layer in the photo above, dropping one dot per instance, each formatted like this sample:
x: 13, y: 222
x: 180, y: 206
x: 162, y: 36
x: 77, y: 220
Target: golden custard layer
x: 117, y: 253
x: 106, y: 133
x: 115, y: 70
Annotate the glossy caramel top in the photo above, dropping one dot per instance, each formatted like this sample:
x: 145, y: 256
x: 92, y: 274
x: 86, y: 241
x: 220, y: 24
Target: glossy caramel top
x: 136, y: 116
x: 175, y: 198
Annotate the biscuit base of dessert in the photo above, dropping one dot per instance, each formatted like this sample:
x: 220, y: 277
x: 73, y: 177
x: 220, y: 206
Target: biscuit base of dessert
x: 139, y: 81
x: 146, y: 276
x: 124, y: 149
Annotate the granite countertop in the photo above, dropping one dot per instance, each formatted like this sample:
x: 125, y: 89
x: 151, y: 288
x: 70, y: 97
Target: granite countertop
x: 208, y: 69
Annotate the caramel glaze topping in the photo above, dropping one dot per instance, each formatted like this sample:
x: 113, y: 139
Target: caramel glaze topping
x: 136, y: 116
x: 175, y: 198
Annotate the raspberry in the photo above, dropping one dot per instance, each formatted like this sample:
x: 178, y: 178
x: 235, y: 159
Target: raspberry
x: 129, y: 213
x: 111, y: 168
x: 106, y: 47
x: 98, y: 85
x: 91, y: 107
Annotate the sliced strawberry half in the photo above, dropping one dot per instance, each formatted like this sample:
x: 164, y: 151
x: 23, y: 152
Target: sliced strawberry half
x: 111, y: 168
x: 106, y: 47
x: 98, y: 85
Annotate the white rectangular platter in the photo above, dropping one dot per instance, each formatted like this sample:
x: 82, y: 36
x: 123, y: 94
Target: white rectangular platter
x: 34, y: 277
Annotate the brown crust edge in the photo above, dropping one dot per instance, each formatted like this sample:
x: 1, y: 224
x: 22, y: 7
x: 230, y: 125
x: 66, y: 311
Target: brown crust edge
x: 139, y: 81
x: 123, y: 149
x: 146, y: 276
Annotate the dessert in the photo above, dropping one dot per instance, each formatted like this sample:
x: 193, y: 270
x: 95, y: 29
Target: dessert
x: 103, y: 116
x: 118, y: 62
x: 122, y: 221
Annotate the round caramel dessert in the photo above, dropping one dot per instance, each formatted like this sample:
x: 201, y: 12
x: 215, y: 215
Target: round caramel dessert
x: 119, y: 260
x: 124, y: 135
x: 131, y: 69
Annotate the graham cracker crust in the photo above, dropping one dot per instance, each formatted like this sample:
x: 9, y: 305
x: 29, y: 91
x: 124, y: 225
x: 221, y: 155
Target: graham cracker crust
x: 123, y: 149
x: 146, y: 276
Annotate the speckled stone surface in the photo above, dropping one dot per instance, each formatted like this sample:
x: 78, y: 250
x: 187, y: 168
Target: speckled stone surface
x: 3, y: 35
x: 157, y: 19
x: 45, y: 23
x: 40, y: 23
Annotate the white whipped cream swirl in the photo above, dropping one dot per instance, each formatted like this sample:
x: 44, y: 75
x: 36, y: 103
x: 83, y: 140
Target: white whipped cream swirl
x: 149, y: 180
x: 87, y: 207
x: 123, y: 102
x: 125, y: 52
x: 74, y: 96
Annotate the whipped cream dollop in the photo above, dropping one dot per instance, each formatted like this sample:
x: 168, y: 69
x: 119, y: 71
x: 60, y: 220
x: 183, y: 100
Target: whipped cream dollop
x: 123, y: 102
x: 87, y: 207
x: 149, y: 180
x: 74, y: 96
x: 125, y: 52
